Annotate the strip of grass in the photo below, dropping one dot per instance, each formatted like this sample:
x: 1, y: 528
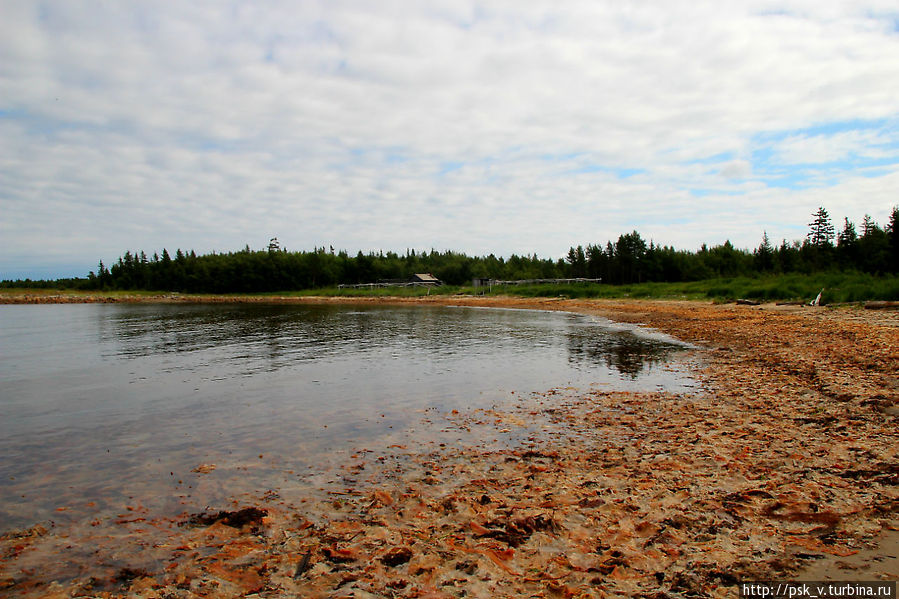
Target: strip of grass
x: 115, y: 293
x: 375, y: 292
x: 837, y: 287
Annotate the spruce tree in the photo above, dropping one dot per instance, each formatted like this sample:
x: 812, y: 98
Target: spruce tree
x: 847, y: 245
x: 848, y: 236
x: 821, y: 231
x: 868, y: 225
x: 764, y: 255
x: 893, y: 233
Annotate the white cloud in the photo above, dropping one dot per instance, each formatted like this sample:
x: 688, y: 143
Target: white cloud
x: 141, y: 125
x: 736, y: 169
x: 836, y: 147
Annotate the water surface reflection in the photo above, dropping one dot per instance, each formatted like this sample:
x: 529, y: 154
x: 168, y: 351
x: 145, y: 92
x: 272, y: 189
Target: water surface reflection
x: 99, y: 403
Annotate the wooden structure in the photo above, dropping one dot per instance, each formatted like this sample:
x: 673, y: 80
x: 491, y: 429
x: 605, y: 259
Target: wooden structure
x: 426, y: 279
x: 492, y: 282
x: 417, y: 280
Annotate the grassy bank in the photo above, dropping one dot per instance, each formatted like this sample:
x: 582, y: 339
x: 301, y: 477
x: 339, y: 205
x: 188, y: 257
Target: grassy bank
x: 79, y: 293
x: 377, y: 292
x: 837, y: 287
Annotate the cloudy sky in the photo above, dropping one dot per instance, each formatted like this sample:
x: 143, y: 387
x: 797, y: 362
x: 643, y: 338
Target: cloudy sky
x: 510, y: 126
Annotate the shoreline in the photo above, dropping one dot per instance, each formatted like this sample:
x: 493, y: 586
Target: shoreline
x: 785, y: 464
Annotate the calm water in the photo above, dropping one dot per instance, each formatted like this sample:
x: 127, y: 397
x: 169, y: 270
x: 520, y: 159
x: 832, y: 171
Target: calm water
x: 102, y: 405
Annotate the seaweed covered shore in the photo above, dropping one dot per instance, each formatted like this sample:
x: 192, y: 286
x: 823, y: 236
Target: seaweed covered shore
x: 784, y: 463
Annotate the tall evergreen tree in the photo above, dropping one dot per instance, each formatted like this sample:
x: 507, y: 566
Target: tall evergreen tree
x: 847, y: 236
x: 868, y: 225
x: 874, y: 249
x: 821, y: 231
x: 629, y: 252
x: 893, y: 233
x: 847, y: 245
x: 578, y: 261
x: 764, y: 255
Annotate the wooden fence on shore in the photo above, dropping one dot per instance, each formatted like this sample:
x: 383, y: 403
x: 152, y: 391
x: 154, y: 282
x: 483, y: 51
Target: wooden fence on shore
x: 476, y: 283
x: 490, y: 282
x: 381, y: 285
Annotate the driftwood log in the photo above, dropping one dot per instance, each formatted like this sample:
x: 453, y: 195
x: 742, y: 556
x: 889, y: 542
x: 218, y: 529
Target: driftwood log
x: 882, y: 305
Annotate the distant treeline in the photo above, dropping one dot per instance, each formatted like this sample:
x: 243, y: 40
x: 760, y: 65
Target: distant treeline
x: 874, y: 249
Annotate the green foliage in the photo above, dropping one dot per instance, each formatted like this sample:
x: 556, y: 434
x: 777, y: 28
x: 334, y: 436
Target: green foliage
x: 275, y: 269
x: 839, y: 287
x: 628, y: 261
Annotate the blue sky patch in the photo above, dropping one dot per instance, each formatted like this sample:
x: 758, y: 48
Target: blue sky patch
x: 832, y: 161
x: 824, y: 129
x: 714, y: 159
x: 449, y: 167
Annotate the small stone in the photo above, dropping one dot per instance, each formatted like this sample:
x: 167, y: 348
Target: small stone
x: 397, y: 556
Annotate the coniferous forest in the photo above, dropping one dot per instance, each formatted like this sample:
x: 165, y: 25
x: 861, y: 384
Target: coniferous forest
x: 869, y: 248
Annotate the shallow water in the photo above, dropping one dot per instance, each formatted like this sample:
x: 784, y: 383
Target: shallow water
x: 106, y: 405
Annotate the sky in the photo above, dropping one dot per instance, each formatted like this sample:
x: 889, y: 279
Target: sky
x: 510, y: 126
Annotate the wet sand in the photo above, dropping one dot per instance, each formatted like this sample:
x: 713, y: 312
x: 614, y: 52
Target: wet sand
x: 782, y: 467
